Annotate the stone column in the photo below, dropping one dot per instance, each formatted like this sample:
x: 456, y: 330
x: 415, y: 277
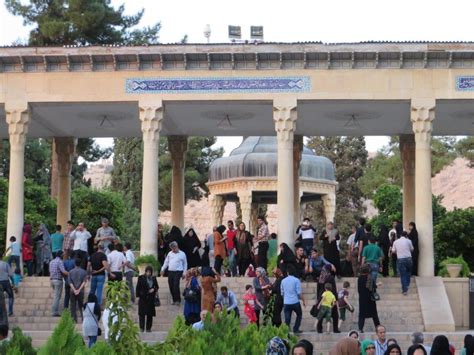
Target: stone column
x: 297, y: 154
x: 245, y: 199
x: 284, y: 116
x: 178, y: 146
x: 407, y: 151
x: 253, y: 218
x: 64, y: 149
x: 422, y: 115
x: 151, y: 117
x: 329, y: 203
x: 18, y: 118
x: 216, y: 204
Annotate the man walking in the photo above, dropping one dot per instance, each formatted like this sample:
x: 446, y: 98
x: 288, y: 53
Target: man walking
x: 373, y: 255
x: 5, y: 274
x: 77, y: 281
x: 56, y: 274
x: 105, y: 235
x: 403, y: 248
x: 116, y: 260
x: 176, y: 264
x: 80, y: 236
x: 57, y: 240
x: 381, y: 343
x: 129, y: 269
x: 291, y: 293
x: 98, y: 265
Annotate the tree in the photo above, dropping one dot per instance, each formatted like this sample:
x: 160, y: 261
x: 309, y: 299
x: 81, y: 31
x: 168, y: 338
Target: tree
x: 128, y: 165
x: 349, y: 157
x: 81, y: 22
x: 465, y: 148
x: 388, y: 200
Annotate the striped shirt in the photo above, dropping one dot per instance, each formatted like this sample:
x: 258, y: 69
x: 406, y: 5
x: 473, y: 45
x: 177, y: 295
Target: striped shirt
x: 380, y: 348
x: 68, y: 243
x: 56, y: 268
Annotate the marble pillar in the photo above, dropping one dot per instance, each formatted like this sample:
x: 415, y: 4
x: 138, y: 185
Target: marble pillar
x: 216, y: 205
x: 178, y: 146
x: 422, y: 116
x: 245, y: 199
x: 407, y: 152
x: 329, y: 204
x: 253, y: 218
x: 151, y: 117
x: 18, y: 118
x: 64, y: 150
x: 297, y: 154
x: 284, y: 116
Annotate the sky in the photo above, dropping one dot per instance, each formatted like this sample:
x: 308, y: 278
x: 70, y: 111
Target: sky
x: 293, y: 21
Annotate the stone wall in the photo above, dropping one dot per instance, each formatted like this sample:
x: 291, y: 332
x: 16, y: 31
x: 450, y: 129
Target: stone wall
x: 458, y: 294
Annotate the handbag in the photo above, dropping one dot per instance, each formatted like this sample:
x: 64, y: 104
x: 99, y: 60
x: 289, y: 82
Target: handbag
x: 374, y: 296
x: 190, y: 295
x: 99, y: 331
x: 314, y: 311
x: 157, y: 300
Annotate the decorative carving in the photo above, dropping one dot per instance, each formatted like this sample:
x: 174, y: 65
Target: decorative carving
x: 65, y: 148
x: 219, y: 85
x: 18, y: 119
x: 151, y: 118
x: 284, y: 116
x: 245, y: 199
x: 217, y: 204
x: 422, y: 115
x: 178, y: 146
x: 464, y: 83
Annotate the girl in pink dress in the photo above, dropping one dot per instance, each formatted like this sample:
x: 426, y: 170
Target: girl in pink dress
x: 249, y: 304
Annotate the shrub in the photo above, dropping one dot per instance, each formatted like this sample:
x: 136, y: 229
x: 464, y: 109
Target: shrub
x: 443, y: 271
x: 149, y: 259
x: 19, y: 344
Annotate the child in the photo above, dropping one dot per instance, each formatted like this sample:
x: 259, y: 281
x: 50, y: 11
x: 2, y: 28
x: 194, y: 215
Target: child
x: 328, y: 300
x: 16, y: 279
x: 343, y: 303
x: 16, y: 252
x: 249, y: 304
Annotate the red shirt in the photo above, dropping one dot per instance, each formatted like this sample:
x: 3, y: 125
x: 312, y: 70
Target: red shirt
x: 231, y: 233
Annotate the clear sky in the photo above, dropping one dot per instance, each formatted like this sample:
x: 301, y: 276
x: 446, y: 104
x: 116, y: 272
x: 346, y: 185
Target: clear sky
x: 293, y: 21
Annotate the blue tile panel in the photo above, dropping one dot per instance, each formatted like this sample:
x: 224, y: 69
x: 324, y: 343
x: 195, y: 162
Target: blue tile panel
x: 224, y: 85
x: 465, y: 83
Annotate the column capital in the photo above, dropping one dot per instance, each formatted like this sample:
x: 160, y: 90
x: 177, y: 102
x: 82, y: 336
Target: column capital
x: 422, y: 116
x: 18, y: 118
x: 284, y: 116
x: 151, y: 116
x: 178, y: 146
x: 65, y: 148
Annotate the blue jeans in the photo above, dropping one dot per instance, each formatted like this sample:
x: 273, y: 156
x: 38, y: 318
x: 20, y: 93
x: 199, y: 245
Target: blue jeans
x: 232, y: 262
x: 404, y: 269
x: 374, y: 272
x: 307, y: 245
x: 97, y: 285
x: 288, y: 309
x: 8, y: 289
x: 92, y: 340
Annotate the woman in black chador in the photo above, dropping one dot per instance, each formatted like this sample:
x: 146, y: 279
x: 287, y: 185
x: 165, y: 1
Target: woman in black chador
x: 413, y: 236
x: 330, y: 236
x: 191, y: 246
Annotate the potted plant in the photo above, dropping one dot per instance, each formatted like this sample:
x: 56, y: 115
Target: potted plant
x: 454, y: 267
x: 148, y: 260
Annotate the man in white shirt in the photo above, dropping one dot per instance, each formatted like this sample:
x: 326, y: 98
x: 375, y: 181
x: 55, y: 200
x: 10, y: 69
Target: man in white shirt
x: 129, y: 269
x: 80, y: 235
x: 403, y: 248
x: 381, y: 343
x: 176, y: 264
x: 116, y: 261
x: 306, y: 232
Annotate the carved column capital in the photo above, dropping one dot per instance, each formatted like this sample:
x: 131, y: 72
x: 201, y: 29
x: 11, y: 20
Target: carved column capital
x: 151, y: 117
x: 217, y: 204
x: 422, y: 116
x: 65, y: 148
x: 178, y: 146
x: 18, y: 118
x: 284, y: 116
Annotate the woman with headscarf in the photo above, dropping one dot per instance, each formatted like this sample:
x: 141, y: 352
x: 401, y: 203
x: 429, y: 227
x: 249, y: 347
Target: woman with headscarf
x: 302, y: 347
x: 43, y: 250
x: 367, y: 306
x: 440, y: 346
x: 147, y: 287
x: 27, y: 248
x: 367, y: 347
x: 417, y: 349
x: 467, y: 340
x: 393, y: 349
x: 174, y: 235
x: 278, y: 298
x: 220, y: 252
x: 244, y: 248
x: 209, y: 280
x: 413, y: 236
x: 285, y: 258
x: 277, y: 346
x: 346, y: 346
x: 263, y: 290
x: 330, y: 236
x: 192, y: 297
x: 191, y: 246
x: 162, y: 247
x: 384, y: 244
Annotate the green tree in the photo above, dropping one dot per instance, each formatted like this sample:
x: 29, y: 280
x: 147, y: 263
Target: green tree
x: 465, y: 148
x: 81, y: 22
x: 388, y: 200
x: 128, y: 165
x: 349, y: 157
x: 89, y: 206
x: 454, y: 236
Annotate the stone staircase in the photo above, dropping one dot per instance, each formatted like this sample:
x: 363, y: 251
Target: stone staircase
x: 400, y: 314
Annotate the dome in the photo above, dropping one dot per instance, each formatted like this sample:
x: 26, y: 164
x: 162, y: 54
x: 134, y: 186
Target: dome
x: 257, y: 157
